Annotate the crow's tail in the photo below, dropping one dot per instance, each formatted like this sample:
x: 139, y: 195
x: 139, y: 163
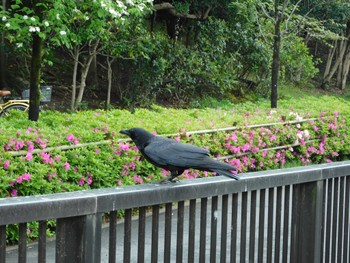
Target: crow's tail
x: 226, y: 173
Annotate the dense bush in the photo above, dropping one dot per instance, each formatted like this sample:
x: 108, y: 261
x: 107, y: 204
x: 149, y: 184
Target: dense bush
x: 118, y: 162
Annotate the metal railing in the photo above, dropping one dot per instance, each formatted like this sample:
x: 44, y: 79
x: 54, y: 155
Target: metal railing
x: 289, y: 215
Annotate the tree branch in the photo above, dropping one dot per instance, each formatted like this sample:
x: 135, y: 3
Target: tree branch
x: 172, y: 10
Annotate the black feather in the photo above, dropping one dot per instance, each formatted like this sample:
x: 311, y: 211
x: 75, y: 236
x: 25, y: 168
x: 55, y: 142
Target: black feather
x: 175, y: 156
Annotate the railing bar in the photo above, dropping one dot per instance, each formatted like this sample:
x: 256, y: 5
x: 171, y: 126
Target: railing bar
x: 278, y: 224
x: 252, y: 226
x: 167, y: 232
x: 341, y: 217
x: 42, y: 242
x: 324, y: 223
x: 224, y: 214
x: 155, y: 233
x: 329, y: 220
x: 262, y: 195
x: 203, y: 230
x: 286, y: 223
x: 22, y: 243
x: 180, y: 231
x: 270, y: 222
x: 214, y: 222
x: 234, y: 218
x: 112, y: 237
x: 243, y: 238
x: 127, y: 235
x: 191, y: 230
x: 335, y: 219
x: 141, y: 235
x: 346, y: 220
x: 3, y: 244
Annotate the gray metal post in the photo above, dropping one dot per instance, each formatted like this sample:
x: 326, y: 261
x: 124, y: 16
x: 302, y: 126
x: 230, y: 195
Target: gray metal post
x: 78, y: 239
x: 307, y: 222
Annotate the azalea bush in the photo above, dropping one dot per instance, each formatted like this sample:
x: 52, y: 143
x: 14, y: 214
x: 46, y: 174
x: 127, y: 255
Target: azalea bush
x: 80, y: 151
x: 117, y: 162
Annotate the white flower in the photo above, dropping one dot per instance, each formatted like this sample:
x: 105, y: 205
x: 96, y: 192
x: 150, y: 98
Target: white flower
x: 19, y: 45
x: 130, y: 2
x: 103, y: 4
x: 37, y: 29
x: 63, y: 33
x: 58, y: 16
x: 306, y: 133
x: 298, y: 118
x: 31, y: 29
x: 87, y: 18
x: 4, y: 18
x: 25, y: 17
x: 46, y: 23
x: 32, y: 18
x: 7, y: 24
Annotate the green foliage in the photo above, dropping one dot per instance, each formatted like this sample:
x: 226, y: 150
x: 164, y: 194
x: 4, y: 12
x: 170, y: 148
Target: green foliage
x: 118, y: 163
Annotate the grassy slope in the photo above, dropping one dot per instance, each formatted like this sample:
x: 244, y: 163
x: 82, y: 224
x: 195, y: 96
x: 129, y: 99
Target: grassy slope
x: 55, y: 126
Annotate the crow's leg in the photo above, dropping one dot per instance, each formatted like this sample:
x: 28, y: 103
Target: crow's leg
x: 170, y: 178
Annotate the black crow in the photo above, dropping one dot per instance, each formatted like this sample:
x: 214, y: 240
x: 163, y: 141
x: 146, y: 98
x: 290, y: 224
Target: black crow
x: 176, y: 157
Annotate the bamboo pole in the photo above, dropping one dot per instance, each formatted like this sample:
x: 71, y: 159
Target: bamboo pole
x: 80, y: 145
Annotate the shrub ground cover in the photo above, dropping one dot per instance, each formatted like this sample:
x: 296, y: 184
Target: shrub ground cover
x: 117, y: 162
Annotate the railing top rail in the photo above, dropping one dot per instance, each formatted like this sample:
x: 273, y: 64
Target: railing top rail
x: 33, y: 208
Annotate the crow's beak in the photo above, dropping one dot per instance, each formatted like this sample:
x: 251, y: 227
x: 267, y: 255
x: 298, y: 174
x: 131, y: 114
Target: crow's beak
x: 126, y: 132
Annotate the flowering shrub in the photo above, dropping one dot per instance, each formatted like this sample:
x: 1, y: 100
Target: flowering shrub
x: 120, y: 163
x: 33, y: 162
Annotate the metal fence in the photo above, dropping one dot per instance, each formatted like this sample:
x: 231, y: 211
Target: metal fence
x: 289, y: 215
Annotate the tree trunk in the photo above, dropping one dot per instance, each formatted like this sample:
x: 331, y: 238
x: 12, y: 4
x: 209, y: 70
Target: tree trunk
x: 75, y: 55
x: 110, y: 75
x: 340, y: 58
x: 345, y: 70
x: 330, y: 58
x: 276, y: 58
x: 35, y: 75
x: 3, y: 59
x: 84, y: 73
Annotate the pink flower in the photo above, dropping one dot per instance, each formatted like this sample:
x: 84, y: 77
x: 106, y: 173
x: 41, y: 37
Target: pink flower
x: 246, y: 147
x: 120, y: 182
x: 29, y: 156
x: 124, y: 147
x: 19, y: 145
x: 132, y: 166
x: 81, y: 181
x: 19, y: 179
x: 46, y: 158
x: 66, y: 166
x: 30, y: 146
x: 89, y: 180
x: 7, y: 164
x: 26, y: 177
x: 70, y: 137
x: 164, y: 172
x: 137, y: 179
x: 14, y: 192
x: 97, y: 150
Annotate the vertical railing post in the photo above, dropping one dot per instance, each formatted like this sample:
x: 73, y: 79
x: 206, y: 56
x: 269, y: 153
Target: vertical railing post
x: 78, y: 239
x: 307, y: 222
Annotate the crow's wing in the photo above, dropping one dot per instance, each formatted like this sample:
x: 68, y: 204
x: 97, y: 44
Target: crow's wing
x: 169, y: 152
